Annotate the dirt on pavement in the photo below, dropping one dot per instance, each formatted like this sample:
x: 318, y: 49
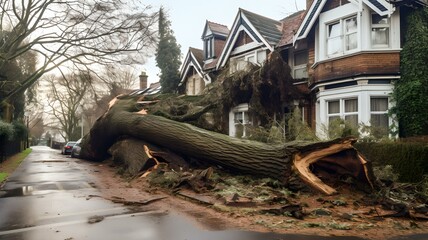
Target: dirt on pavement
x: 345, y: 214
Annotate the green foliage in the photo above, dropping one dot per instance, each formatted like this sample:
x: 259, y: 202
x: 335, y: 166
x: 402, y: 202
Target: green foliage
x: 167, y: 55
x: 6, y: 131
x: 341, y: 128
x: 385, y: 173
x: 409, y: 160
x: 411, y: 91
x: 299, y: 130
x: 20, y: 130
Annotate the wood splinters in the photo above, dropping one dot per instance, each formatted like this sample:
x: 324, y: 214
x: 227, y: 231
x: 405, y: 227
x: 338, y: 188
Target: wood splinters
x: 157, y: 163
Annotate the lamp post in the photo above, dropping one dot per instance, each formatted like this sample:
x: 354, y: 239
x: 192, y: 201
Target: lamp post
x: 81, y: 126
x: 27, y: 118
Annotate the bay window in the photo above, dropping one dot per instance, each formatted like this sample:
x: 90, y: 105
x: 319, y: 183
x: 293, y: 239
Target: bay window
x: 346, y: 109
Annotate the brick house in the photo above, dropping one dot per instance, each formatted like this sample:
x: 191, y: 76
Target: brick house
x: 343, y: 54
x: 198, y: 67
x: 353, y: 59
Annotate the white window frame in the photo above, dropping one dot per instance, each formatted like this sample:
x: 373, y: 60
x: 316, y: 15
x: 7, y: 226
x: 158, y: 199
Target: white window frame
x: 363, y: 91
x: 380, y: 112
x: 342, y: 36
x: 240, y: 109
x: 303, y: 66
x: 342, y: 113
x: 379, y: 26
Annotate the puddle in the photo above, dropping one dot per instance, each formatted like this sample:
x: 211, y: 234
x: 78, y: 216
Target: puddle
x: 43, y: 189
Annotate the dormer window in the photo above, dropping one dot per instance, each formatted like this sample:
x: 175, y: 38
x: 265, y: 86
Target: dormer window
x: 209, y: 48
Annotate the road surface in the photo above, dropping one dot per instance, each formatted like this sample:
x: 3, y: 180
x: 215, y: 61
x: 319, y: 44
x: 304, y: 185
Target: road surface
x: 50, y: 196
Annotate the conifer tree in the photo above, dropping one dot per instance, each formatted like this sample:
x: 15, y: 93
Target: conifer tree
x: 167, y: 55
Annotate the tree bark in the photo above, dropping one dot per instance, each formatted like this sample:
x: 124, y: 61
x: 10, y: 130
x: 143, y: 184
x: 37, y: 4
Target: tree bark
x: 243, y: 156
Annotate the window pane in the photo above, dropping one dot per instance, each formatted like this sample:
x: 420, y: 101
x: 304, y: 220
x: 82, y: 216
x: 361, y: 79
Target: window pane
x: 333, y: 107
x: 332, y: 119
x: 351, y: 105
x: 351, y: 41
x: 352, y: 120
x: 380, y: 36
x: 351, y: 25
x: 379, y: 120
x: 300, y: 73
x: 377, y: 19
x: 300, y: 58
x: 334, y: 44
x: 379, y: 104
x: 239, y: 117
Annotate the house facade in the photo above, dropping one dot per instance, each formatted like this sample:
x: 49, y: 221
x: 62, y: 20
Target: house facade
x: 199, y: 66
x: 343, y: 54
x: 353, y: 60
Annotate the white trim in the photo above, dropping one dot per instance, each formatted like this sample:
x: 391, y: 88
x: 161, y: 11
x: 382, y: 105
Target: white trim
x: 243, y: 107
x: 362, y: 92
x: 224, y: 56
x: 311, y: 23
x: 187, y: 64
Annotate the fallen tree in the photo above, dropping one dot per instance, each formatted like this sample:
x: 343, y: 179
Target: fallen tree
x: 306, y: 160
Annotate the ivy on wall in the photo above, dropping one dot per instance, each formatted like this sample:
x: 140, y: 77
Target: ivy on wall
x: 411, y: 91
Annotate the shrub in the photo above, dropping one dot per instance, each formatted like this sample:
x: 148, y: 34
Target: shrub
x: 409, y: 160
x: 20, y: 130
x: 6, y: 131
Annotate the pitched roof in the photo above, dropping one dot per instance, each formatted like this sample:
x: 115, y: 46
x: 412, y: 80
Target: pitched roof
x: 290, y: 25
x: 270, y: 29
x: 262, y: 29
x: 199, y: 55
x: 194, y: 59
x: 217, y: 28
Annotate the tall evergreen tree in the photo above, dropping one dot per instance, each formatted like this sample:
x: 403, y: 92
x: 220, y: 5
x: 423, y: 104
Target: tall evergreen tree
x: 411, y: 90
x: 167, y: 55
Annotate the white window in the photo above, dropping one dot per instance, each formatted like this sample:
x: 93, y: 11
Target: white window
x: 239, y: 121
x: 342, y: 36
x: 379, y: 114
x: 300, y: 61
x: 242, y: 63
x: 380, y: 31
x: 209, y: 48
x: 346, y: 109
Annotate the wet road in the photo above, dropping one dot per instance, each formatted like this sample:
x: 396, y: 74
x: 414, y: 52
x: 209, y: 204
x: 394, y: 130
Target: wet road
x: 48, y: 198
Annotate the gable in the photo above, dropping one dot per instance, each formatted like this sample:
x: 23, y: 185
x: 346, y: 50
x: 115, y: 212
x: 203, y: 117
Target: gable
x: 263, y: 32
x: 381, y: 7
x: 193, y: 61
x: 243, y: 39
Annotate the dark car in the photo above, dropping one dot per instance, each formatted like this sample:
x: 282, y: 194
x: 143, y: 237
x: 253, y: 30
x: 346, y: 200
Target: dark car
x: 75, y: 151
x: 67, y: 148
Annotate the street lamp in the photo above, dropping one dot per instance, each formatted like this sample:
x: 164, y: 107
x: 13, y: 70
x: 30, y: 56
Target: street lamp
x: 81, y: 127
x: 27, y: 118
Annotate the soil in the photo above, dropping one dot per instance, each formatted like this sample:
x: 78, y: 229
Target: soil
x: 344, y: 214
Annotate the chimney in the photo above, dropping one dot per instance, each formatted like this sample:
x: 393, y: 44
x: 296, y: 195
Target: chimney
x: 308, y: 4
x: 143, y: 80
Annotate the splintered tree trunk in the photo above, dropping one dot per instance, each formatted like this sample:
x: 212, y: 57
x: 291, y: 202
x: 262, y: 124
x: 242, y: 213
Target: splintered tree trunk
x: 243, y: 156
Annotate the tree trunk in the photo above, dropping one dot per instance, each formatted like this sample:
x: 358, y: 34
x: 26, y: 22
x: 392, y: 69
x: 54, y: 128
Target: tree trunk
x: 243, y: 156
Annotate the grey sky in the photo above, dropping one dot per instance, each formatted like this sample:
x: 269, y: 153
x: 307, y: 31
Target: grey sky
x: 188, y: 18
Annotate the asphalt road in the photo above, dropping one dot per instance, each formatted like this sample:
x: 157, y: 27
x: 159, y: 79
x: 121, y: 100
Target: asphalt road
x: 48, y: 197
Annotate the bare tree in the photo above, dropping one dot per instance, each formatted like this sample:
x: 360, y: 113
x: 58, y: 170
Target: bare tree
x: 80, y: 32
x: 65, y: 97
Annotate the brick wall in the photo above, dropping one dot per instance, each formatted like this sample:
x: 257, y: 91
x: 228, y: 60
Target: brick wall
x: 359, y: 64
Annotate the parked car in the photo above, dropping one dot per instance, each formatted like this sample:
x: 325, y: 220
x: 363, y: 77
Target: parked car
x: 67, y: 148
x: 75, y: 151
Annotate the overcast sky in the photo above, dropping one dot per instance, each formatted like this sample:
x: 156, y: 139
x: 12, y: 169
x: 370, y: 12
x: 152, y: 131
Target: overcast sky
x: 188, y: 19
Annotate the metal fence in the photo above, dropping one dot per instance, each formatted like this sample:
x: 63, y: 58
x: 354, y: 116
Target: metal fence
x: 10, y: 148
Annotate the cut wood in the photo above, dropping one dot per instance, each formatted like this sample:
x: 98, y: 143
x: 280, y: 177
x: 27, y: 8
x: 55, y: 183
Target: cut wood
x: 281, y: 161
